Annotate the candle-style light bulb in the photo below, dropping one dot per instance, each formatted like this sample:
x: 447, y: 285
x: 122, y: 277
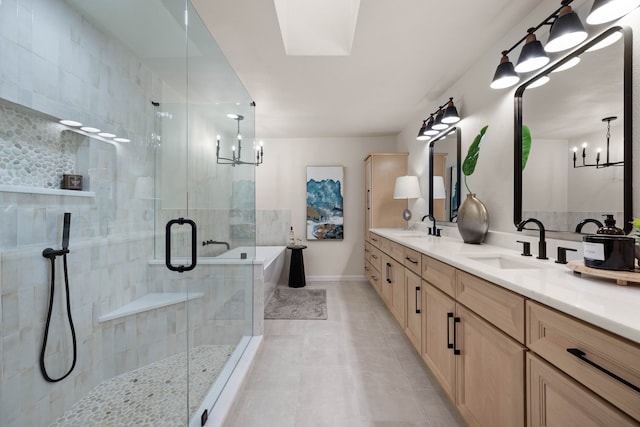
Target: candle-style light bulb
x: 598, y: 155
x: 584, y: 150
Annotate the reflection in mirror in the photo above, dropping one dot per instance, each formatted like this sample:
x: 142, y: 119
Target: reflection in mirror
x: 566, y: 121
x: 444, y: 176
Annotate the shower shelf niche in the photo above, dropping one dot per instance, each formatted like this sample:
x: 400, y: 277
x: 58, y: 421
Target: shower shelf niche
x: 150, y: 302
x: 49, y: 191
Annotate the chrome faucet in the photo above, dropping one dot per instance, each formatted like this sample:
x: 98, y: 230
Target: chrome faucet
x: 213, y: 242
x: 433, y: 231
x: 542, y: 244
x: 586, y: 221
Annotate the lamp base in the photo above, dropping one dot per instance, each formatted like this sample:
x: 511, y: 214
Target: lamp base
x: 406, y: 214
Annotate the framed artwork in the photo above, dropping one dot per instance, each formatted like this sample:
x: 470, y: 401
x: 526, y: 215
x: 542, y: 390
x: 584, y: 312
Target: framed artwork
x: 325, y: 195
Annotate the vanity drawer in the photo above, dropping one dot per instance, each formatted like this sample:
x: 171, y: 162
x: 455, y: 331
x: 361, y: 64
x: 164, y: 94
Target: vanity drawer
x: 367, y: 251
x: 385, y: 245
x: 550, y: 334
x: 375, y: 258
x: 397, y: 252
x: 373, y: 275
x: 374, y: 239
x: 413, y: 260
x: 440, y: 275
x: 499, y: 306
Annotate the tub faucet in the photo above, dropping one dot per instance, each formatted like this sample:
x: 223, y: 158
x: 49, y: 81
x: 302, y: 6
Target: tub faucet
x: 433, y: 231
x: 586, y: 221
x: 213, y: 242
x: 542, y: 244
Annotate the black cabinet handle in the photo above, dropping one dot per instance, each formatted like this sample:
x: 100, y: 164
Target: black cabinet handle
x: 456, y: 320
x: 375, y: 278
x: 417, y: 299
x: 167, y: 256
x: 388, y: 273
x: 374, y: 256
x: 374, y: 239
x: 411, y: 260
x: 449, y: 343
x: 581, y: 355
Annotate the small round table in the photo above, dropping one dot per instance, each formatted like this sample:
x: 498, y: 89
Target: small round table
x: 296, y: 268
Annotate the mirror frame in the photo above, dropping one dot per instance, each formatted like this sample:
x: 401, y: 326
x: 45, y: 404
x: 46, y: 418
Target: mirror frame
x: 627, y: 126
x: 431, y: 151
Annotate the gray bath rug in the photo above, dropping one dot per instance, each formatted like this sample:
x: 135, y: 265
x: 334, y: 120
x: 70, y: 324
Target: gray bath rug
x: 296, y: 303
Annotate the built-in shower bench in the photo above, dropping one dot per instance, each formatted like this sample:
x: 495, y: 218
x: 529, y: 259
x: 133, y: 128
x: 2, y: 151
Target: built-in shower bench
x: 149, y: 302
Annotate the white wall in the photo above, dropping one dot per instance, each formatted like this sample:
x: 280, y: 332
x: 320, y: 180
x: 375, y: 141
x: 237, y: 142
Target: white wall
x: 281, y: 185
x: 480, y: 105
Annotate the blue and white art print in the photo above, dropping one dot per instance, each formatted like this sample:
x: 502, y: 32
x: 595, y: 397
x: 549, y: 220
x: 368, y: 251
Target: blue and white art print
x: 325, y: 195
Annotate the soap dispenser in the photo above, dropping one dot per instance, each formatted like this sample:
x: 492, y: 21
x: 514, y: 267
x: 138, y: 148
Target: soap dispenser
x: 610, y: 227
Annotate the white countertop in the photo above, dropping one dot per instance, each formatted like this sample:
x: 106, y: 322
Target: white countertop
x: 600, y: 302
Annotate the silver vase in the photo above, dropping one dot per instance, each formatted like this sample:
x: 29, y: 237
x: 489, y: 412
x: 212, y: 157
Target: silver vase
x: 473, y: 220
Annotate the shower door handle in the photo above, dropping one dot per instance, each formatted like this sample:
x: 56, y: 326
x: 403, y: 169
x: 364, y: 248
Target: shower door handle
x: 180, y: 268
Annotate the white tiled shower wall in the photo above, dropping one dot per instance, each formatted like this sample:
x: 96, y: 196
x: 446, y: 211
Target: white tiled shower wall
x: 57, y: 63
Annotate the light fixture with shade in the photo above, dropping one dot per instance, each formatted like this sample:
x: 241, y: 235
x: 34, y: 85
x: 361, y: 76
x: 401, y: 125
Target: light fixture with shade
x: 450, y: 115
x: 566, y: 31
x: 439, y: 121
x: 604, y: 11
x: 532, y: 56
x: 407, y: 187
x: 505, y: 75
x: 421, y: 135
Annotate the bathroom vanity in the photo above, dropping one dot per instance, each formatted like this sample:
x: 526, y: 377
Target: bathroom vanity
x: 513, y: 341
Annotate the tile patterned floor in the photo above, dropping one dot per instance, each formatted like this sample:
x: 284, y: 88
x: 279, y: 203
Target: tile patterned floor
x: 354, y: 369
x: 152, y: 396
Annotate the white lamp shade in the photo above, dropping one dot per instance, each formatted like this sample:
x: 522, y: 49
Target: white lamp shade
x: 407, y: 187
x: 438, y: 188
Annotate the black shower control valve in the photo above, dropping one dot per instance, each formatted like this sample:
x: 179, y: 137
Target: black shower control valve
x: 562, y: 254
x: 52, y: 253
x: 526, y: 248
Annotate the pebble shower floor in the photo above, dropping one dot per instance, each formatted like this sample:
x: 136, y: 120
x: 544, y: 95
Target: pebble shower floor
x: 153, y: 395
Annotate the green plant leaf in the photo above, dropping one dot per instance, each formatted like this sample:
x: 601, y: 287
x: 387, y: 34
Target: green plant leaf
x: 526, y: 145
x: 469, y: 164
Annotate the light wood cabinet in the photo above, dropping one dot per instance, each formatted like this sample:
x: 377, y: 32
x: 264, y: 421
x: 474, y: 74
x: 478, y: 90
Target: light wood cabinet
x: 606, y: 364
x: 381, y: 171
x: 554, y: 399
x: 489, y: 373
x: 413, y: 329
x: 437, y: 340
x: 392, y: 287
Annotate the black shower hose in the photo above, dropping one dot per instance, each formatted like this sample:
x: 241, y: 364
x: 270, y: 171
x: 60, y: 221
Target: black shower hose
x: 46, y: 328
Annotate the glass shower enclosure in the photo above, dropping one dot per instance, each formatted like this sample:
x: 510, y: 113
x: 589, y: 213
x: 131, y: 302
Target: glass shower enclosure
x: 148, y: 320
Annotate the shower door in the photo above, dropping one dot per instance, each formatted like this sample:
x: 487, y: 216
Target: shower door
x: 204, y: 210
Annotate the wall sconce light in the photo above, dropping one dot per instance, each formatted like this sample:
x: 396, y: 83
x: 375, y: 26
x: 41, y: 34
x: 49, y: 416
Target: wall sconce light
x: 235, y: 158
x: 439, y: 121
x: 566, y: 32
x: 597, y: 164
x: 407, y: 187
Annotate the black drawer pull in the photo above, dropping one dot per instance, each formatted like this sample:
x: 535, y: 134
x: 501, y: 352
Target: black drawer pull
x: 456, y: 320
x: 417, y: 299
x: 375, y: 278
x: 581, y: 355
x: 412, y: 261
x: 449, y: 343
x: 374, y: 256
x: 388, y: 273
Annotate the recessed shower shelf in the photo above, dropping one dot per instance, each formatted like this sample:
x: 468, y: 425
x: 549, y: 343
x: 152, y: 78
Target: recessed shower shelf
x: 150, y: 302
x: 49, y: 191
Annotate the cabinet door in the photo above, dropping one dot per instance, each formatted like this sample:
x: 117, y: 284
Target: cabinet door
x: 489, y: 374
x: 554, y: 399
x: 437, y: 339
x: 386, y: 284
x: 398, y: 298
x: 414, y: 309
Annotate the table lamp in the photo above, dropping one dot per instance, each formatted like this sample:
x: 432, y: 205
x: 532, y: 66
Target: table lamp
x: 407, y: 187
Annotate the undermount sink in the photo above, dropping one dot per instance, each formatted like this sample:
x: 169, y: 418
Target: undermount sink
x: 506, y: 262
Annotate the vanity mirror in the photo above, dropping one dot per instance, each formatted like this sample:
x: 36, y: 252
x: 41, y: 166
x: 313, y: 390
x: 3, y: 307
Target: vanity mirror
x: 444, y: 176
x: 572, y: 109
